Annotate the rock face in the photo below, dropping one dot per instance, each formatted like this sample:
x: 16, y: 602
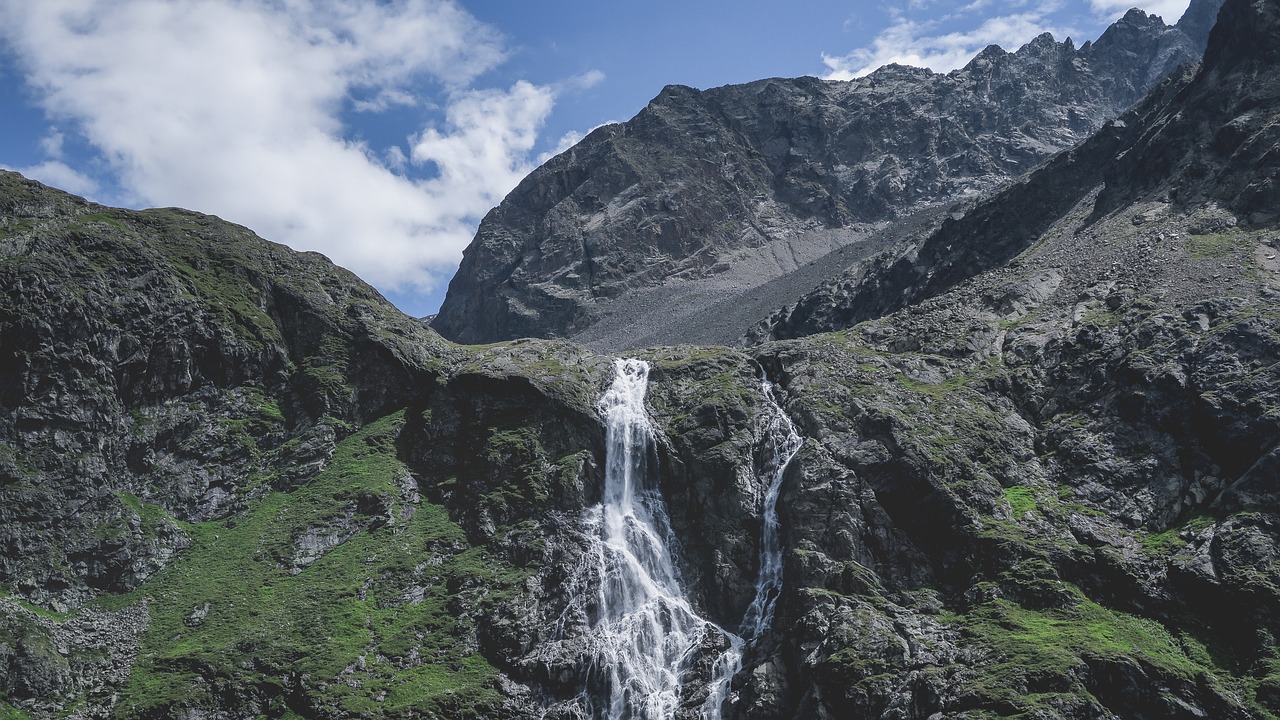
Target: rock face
x: 707, y: 195
x: 1200, y: 137
x: 1041, y: 482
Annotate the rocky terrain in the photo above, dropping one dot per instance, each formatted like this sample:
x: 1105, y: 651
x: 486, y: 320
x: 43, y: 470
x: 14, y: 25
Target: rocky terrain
x: 633, y: 236
x: 1202, y: 139
x: 1038, y: 478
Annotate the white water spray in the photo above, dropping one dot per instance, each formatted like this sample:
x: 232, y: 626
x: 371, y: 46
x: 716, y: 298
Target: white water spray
x: 643, y: 630
x: 784, y: 443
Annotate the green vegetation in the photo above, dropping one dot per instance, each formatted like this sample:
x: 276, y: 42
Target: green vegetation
x: 945, y: 387
x: 516, y: 448
x: 1170, y: 540
x: 327, y: 366
x: 7, y: 594
x: 150, y: 515
x: 340, y: 582
x: 1039, y: 650
x: 15, y: 226
x: 269, y: 411
x: 101, y: 217
x: 708, y: 382
x: 231, y: 299
x: 9, y: 712
x: 1022, y: 500
x: 1215, y: 245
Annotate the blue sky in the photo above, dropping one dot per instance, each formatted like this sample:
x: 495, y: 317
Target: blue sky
x: 380, y: 132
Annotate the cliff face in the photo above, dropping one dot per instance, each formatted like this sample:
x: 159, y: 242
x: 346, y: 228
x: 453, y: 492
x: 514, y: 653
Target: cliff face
x: 234, y: 482
x: 1201, y: 137
x: 707, y: 195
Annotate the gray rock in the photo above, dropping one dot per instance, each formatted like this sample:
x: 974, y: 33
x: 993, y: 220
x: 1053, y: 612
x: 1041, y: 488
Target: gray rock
x: 694, y: 206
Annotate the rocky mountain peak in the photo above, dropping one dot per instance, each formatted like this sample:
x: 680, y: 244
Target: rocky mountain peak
x: 1203, y: 139
x: 717, y: 198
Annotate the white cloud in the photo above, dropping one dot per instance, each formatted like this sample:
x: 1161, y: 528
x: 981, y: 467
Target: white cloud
x: 59, y: 175
x: 908, y: 42
x: 585, y: 81
x: 568, y: 140
x: 396, y: 159
x: 386, y: 98
x: 1168, y: 10
x: 51, y: 144
x: 234, y: 107
x: 483, y: 153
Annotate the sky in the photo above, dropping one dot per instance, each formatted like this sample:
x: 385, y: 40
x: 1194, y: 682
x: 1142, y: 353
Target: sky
x: 379, y: 132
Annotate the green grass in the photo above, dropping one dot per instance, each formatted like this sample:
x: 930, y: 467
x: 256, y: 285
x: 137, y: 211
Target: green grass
x: 1021, y: 499
x: 7, y: 594
x: 390, y: 593
x: 149, y: 514
x: 15, y: 226
x: 1039, y: 649
x: 232, y: 301
x: 1170, y: 540
x: 100, y: 217
x: 269, y: 411
x: 9, y: 712
x: 945, y: 387
x: 327, y: 366
x: 1215, y: 245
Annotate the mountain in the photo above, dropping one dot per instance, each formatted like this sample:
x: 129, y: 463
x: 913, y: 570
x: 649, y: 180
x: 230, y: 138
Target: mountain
x: 236, y: 483
x: 1200, y: 137
x: 693, y: 207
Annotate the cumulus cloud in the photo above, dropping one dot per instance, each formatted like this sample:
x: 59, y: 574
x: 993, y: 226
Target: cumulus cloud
x: 950, y: 39
x: 1168, y: 10
x: 909, y: 42
x: 60, y: 175
x: 235, y: 107
x: 483, y: 151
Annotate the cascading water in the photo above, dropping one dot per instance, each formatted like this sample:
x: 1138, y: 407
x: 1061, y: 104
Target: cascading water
x: 640, y: 629
x: 784, y: 443
x: 643, y: 630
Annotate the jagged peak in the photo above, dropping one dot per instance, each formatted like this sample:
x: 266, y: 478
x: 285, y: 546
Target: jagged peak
x: 896, y: 71
x: 1044, y: 39
x: 1138, y: 16
x: 986, y: 57
x: 993, y: 50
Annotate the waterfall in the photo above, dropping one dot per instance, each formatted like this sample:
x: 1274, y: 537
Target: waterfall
x: 643, y: 630
x: 640, y: 629
x: 783, y: 443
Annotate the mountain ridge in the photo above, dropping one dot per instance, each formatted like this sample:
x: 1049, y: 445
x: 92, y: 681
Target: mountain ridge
x: 1152, y: 150
x: 705, y: 195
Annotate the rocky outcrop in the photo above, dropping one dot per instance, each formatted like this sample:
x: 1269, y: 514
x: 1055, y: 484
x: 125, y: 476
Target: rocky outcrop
x: 707, y: 195
x: 1037, y: 451
x: 161, y: 373
x: 1203, y: 136
x: 165, y: 358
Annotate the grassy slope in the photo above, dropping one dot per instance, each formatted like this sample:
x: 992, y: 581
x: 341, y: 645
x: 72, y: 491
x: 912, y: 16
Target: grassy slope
x: 377, y: 626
